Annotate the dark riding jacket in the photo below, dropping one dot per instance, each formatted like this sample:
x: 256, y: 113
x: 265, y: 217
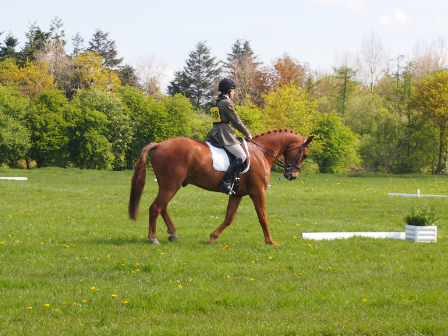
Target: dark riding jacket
x: 222, y: 132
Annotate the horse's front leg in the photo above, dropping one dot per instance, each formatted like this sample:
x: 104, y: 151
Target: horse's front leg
x: 259, y: 203
x: 232, y: 206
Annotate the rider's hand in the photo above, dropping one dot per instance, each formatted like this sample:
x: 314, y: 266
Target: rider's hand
x: 249, y: 138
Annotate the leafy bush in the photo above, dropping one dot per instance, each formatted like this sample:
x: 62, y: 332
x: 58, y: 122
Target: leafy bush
x: 421, y: 216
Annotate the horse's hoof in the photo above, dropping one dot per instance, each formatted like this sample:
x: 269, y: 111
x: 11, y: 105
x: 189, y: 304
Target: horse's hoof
x: 153, y: 241
x: 173, y: 239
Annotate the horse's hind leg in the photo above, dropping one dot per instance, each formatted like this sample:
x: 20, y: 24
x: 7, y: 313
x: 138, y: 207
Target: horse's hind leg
x: 169, y: 223
x: 232, y: 206
x: 156, y: 208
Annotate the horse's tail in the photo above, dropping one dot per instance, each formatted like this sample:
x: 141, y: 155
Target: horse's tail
x: 138, y: 181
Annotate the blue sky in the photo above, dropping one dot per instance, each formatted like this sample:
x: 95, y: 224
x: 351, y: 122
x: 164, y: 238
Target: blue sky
x: 311, y: 31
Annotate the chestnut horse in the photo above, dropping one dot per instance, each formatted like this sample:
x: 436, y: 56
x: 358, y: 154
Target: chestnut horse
x: 181, y: 161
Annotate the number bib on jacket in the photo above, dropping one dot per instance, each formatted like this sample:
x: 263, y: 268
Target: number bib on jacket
x: 216, y: 116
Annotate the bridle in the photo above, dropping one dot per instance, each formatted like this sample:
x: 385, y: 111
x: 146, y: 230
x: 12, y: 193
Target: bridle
x: 287, y: 166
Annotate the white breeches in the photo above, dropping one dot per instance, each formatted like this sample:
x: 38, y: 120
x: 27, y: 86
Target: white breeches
x: 237, y: 150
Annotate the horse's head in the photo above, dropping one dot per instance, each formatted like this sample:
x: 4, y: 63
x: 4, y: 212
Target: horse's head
x: 295, y: 155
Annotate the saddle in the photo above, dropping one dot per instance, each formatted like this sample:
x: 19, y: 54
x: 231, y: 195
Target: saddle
x: 222, y: 158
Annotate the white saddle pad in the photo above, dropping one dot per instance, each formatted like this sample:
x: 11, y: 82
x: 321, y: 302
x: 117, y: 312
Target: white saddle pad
x: 221, y: 160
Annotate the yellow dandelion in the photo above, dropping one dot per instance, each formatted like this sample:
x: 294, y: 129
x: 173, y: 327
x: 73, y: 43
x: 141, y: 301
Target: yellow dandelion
x: 125, y: 301
x: 47, y: 305
x: 92, y: 288
x: 253, y: 262
x: 30, y: 308
x: 228, y: 276
x: 180, y: 286
x: 270, y: 257
x: 84, y: 301
x: 161, y: 253
x: 74, y: 303
x: 55, y: 309
x: 329, y: 267
x: 114, y: 295
x: 365, y: 300
x: 252, y: 279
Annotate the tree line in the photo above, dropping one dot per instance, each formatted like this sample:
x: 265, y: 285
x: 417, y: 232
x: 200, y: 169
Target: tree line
x: 87, y: 108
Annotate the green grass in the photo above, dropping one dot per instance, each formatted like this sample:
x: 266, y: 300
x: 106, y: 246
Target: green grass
x: 67, y: 243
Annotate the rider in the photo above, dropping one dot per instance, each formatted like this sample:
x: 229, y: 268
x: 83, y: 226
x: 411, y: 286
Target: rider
x: 224, y: 112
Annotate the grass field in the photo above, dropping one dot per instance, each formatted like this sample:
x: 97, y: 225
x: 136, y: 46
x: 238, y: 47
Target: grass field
x: 73, y: 264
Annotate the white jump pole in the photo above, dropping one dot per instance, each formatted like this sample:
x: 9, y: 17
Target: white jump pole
x: 345, y: 235
x: 418, y: 194
x: 14, y: 178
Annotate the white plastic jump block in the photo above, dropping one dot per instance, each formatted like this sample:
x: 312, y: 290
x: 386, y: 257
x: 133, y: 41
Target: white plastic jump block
x: 14, y: 178
x: 426, y: 234
x: 345, y: 235
x: 415, y: 195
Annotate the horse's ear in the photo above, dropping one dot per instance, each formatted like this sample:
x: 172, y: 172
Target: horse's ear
x: 309, y: 139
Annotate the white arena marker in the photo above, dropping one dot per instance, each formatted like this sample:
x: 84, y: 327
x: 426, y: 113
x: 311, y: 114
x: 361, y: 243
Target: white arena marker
x: 345, y: 235
x: 418, y: 194
x: 14, y: 178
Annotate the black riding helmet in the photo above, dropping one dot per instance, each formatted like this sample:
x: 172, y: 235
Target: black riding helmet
x: 226, y: 84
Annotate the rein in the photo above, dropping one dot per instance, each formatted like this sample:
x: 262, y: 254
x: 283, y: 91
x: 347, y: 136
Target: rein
x: 287, y: 166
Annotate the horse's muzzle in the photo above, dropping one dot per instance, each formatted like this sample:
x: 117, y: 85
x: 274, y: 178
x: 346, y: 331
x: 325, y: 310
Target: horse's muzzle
x: 290, y: 176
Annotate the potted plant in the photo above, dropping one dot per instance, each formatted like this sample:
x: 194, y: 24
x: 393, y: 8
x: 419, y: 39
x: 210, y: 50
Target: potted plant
x: 419, y: 224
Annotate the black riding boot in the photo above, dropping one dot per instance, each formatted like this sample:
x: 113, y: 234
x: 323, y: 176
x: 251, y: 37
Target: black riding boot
x: 233, y: 168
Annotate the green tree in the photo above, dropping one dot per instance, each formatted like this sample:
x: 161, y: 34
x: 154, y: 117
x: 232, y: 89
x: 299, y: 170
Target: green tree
x: 119, y: 132
x: 180, y: 114
x: 105, y: 47
x: 127, y: 76
x: 252, y: 117
x: 89, y: 72
x: 198, y: 80
x: 242, y: 66
x: 32, y: 78
x: 431, y: 100
x: 37, y: 39
x: 290, y: 107
x: 347, y: 86
x: 149, y: 121
x: 48, y: 127
x: 77, y: 45
x: 337, y: 148
x: 14, y: 136
x: 8, y: 50
x: 88, y: 145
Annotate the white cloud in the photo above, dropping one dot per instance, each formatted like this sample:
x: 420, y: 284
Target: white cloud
x: 354, y: 6
x: 399, y: 18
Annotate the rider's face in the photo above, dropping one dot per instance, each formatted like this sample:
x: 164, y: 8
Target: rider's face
x: 232, y: 93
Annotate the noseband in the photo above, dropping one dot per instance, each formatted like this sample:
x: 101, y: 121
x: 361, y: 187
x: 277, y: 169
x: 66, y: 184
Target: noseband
x: 287, y: 166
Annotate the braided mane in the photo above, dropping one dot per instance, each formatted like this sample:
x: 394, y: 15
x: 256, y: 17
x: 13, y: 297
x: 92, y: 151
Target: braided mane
x: 280, y: 130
